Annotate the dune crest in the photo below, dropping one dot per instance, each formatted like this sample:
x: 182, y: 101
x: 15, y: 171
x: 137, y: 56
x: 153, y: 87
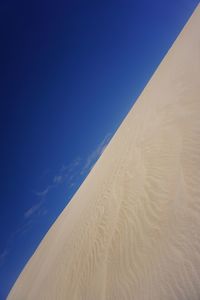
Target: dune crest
x: 132, y: 229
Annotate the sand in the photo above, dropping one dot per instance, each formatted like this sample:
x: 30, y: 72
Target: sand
x: 132, y: 231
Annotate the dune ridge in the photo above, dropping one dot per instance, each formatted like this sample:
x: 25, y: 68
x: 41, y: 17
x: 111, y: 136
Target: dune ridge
x: 132, y: 229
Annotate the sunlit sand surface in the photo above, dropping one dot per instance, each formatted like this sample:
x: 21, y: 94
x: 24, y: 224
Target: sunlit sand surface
x: 132, y: 231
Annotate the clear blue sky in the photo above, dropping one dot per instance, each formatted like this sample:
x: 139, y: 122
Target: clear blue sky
x: 70, y: 72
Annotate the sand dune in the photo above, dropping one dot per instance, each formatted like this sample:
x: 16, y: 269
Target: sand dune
x: 132, y: 231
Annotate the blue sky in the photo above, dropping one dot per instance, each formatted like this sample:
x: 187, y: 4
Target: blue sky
x: 70, y: 72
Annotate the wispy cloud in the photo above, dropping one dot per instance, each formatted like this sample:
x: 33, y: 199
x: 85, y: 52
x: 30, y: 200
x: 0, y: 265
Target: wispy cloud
x: 58, y: 179
x: 65, y: 174
x: 44, y: 192
x: 68, y: 174
x: 92, y: 158
x: 33, y: 210
x: 3, y: 256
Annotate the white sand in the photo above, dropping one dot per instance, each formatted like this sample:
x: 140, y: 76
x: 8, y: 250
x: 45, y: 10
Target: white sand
x: 132, y: 231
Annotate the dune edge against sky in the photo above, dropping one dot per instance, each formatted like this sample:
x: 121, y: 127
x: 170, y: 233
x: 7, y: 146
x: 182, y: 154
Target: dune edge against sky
x: 131, y: 230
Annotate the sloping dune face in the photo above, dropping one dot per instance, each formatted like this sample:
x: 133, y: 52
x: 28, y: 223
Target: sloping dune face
x: 132, y: 231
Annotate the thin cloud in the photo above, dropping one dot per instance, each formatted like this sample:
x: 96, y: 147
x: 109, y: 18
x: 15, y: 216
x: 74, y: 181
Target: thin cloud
x: 25, y: 227
x: 65, y: 174
x: 33, y: 210
x: 58, y: 179
x: 44, y: 192
x: 92, y: 158
x: 3, y: 256
x: 70, y: 172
